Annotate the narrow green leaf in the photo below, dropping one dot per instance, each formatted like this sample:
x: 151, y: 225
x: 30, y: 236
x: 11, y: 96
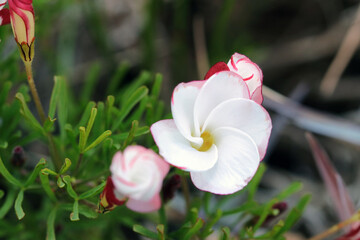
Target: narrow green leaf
x: 90, y: 123
x: 294, y: 214
x: 70, y: 190
x: 55, y: 96
x: 9, y: 200
x: 142, y: 79
x: 74, y: 216
x: 155, y: 91
x: 227, y: 233
x: 63, y: 106
x: 47, y: 171
x: 160, y: 229
x: 27, y: 113
x: 49, y: 124
x: 194, y: 229
x: 129, y: 104
x: 86, y: 115
x: 2, y: 193
x: 245, y: 207
x: 50, y: 224
x: 131, y: 135
x: 144, y: 231
x: 35, y: 172
x: 65, y: 166
x: 266, y: 211
x: 60, y: 182
x: 108, y: 108
x: 94, y: 191
x: 293, y: 188
x: 44, y: 178
x: 7, y: 175
x: 90, y: 81
x: 18, y: 205
x: 83, y: 210
x: 97, y: 141
x: 212, y: 221
x: 140, y: 131
x: 254, y: 183
x: 82, y: 139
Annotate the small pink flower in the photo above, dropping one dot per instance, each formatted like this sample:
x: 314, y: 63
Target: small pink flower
x: 21, y: 16
x: 137, y: 176
x: 218, y: 134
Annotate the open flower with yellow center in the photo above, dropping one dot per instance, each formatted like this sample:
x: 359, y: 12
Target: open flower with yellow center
x: 21, y: 16
x: 218, y: 133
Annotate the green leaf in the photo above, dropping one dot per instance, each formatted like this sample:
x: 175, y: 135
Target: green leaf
x: 194, y: 229
x: 49, y: 124
x: 70, y: 190
x: 44, y: 179
x: 129, y: 104
x: 227, y: 233
x: 74, y: 216
x: 9, y: 200
x: 140, y: 131
x: 2, y: 193
x: 212, y: 221
x: 131, y: 135
x: 160, y: 229
x: 4, y: 92
x: 86, y: 115
x: 35, y: 172
x: 155, y: 91
x: 55, y: 96
x: 245, y: 207
x: 90, y: 81
x: 27, y: 113
x: 254, y: 183
x: 82, y: 139
x: 293, y: 188
x: 144, y: 231
x: 60, y: 182
x: 63, y: 106
x: 265, y: 212
x: 65, y: 166
x: 3, y: 144
x: 7, y: 175
x: 97, y: 141
x: 294, y: 215
x: 94, y: 191
x: 83, y: 210
x: 18, y: 205
x: 50, y: 231
x: 47, y: 171
x: 90, y: 123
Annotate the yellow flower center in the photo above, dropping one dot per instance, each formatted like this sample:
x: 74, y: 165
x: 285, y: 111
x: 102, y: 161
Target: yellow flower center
x: 208, y: 141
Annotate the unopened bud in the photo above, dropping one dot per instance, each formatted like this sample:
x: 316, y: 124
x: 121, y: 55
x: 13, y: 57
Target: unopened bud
x: 18, y: 157
x: 108, y: 200
x: 170, y: 187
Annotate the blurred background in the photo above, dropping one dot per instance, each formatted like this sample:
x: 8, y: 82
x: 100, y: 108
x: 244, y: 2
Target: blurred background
x: 308, y: 51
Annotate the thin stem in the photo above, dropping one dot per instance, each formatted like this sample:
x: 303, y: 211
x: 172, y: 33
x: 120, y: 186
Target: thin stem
x: 53, y: 151
x: 337, y: 227
x: 78, y: 164
x: 162, y: 215
x: 34, y: 92
x: 185, y: 189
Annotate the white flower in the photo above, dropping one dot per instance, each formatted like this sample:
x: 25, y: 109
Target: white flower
x: 137, y: 175
x: 218, y: 133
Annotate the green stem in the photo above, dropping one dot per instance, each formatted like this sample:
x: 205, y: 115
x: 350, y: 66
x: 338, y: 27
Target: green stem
x: 162, y: 215
x: 186, y: 192
x: 53, y: 151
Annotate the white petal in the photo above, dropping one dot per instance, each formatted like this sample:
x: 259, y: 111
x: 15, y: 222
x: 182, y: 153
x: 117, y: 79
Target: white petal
x: 2, y: 3
x: 245, y: 115
x: 257, y: 95
x: 220, y: 87
x: 249, y: 71
x: 178, y: 151
x: 237, y: 163
x: 182, y: 107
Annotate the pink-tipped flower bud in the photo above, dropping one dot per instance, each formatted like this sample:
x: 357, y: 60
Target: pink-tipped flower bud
x: 23, y: 25
x: 18, y: 157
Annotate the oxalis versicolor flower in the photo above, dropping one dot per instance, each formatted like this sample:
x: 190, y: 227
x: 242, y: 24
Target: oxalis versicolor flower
x: 136, y: 180
x: 21, y: 16
x: 219, y: 131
